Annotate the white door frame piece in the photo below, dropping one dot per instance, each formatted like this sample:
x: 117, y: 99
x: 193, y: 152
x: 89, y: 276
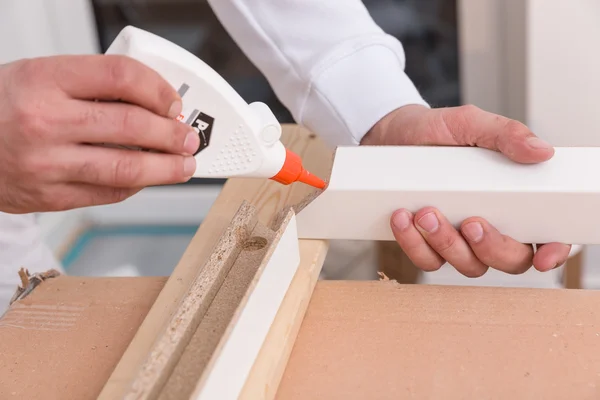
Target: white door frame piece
x: 532, y: 203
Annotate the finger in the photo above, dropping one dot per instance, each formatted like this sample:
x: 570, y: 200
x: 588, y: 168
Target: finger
x: 129, y: 125
x: 126, y: 168
x: 448, y: 243
x: 115, y: 77
x: 412, y: 243
x: 550, y: 256
x: 69, y: 196
x: 469, y: 125
x: 495, y: 249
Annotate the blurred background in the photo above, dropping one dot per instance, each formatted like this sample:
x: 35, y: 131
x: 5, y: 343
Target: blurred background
x: 532, y: 60
x: 427, y: 29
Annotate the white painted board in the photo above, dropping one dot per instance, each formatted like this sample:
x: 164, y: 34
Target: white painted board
x: 554, y: 201
x: 231, y: 369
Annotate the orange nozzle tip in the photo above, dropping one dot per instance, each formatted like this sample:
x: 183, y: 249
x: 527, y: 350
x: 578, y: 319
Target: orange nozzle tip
x: 312, y: 180
x: 293, y: 171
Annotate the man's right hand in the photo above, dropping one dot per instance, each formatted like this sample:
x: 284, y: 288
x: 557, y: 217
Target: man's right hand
x: 49, y: 118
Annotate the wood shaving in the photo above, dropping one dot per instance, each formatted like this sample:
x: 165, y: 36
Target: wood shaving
x: 382, y: 276
x: 30, y: 282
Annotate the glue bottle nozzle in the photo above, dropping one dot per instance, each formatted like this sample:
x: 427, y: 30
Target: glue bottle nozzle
x: 293, y: 171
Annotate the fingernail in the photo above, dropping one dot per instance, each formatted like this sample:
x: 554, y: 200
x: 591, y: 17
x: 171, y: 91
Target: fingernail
x: 537, y: 143
x: 429, y: 222
x: 191, y: 143
x: 175, y: 109
x: 189, y: 166
x: 401, y: 220
x: 473, y: 231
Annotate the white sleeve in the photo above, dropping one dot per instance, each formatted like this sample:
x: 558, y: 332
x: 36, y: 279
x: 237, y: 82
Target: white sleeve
x: 327, y: 61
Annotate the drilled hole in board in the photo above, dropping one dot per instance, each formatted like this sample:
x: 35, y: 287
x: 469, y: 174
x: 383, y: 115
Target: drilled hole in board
x: 255, y: 243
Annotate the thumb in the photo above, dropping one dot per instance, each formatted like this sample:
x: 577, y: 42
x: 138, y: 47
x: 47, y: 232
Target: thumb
x: 471, y: 126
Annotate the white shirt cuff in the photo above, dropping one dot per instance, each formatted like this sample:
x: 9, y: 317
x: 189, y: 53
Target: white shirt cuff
x: 356, y: 86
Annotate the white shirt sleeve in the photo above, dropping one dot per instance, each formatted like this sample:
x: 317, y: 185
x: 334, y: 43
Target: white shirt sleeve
x: 327, y: 61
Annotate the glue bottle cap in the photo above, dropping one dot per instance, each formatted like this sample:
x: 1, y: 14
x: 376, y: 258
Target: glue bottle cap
x: 293, y: 171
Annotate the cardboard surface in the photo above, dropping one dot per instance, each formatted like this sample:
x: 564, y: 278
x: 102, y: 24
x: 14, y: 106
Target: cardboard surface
x: 382, y: 340
x: 65, y: 338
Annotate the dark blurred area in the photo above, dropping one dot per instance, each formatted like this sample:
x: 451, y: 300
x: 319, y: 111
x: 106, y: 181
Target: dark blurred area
x: 426, y: 28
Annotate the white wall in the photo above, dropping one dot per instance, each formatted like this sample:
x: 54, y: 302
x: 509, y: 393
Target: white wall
x: 563, y: 74
x: 492, y: 59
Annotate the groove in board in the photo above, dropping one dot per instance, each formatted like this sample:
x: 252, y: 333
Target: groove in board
x: 269, y: 198
x: 167, y: 350
x: 230, y: 366
x: 213, y: 325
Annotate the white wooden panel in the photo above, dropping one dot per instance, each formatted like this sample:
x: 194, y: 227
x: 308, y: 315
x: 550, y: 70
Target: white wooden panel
x: 538, y: 203
x: 230, y: 370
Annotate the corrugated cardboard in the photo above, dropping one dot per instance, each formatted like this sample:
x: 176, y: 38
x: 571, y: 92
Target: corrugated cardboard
x: 383, y: 340
x: 64, y: 339
x: 359, y: 340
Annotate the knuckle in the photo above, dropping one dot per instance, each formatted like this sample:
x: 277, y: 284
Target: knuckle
x: 89, y: 171
x: 166, y: 93
x: 118, y: 195
x: 52, y: 200
x: 28, y: 70
x: 64, y: 203
x: 469, y: 109
x: 129, y: 124
x: 177, y: 168
x: 22, y: 115
x: 35, y: 127
x: 458, y: 120
x: 446, y: 243
x: 514, y: 129
x: 16, y: 200
x: 125, y: 171
x: 90, y: 116
x: 46, y: 198
x: 108, y: 196
x: 177, y: 139
x: 32, y: 165
x: 32, y: 119
x: 121, y: 72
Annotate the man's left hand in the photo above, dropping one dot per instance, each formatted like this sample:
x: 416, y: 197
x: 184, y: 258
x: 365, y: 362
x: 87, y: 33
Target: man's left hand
x: 426, y: 236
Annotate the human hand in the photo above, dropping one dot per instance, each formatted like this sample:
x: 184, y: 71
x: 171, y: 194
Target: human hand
x: 427, y: 237
x: 49, y: 118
